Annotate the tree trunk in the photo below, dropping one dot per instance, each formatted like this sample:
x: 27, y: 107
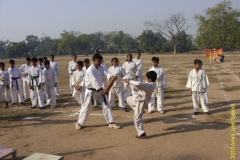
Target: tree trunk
x: 175, y: 49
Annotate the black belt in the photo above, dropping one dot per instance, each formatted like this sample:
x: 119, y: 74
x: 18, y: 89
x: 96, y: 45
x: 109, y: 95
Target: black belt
x: 93, y: 89
x: 73, y: 70
x: 15, y: 80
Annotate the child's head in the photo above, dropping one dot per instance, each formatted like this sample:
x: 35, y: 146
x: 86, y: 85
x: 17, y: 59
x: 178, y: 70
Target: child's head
x: 197, y: 64
x: 114, y: 61
x: 51, y: 57
x: 2, y: 66
x: 79, y: 65
x: 12, y: 63
x: 129, y: 57
x: 155, y: 61
x: 45, y: 58
x: 97, y: 52
x: 151, y: 76
x: 97, y: 60
x: 28, y: 60
x: 138, y: 55
x: 40, y: 61
x: 74, y: 57
x: 47, y: 64
x: 86, y: 62
x: 34, y: 61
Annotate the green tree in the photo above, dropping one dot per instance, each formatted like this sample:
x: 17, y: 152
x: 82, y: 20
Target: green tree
x: 32, y: 42
x: 48, y: 46
x: 185, y: 43
x: 17, y: 49
x: 219, y: 27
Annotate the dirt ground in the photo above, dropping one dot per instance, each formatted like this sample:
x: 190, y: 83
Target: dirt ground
x: 175, y: 135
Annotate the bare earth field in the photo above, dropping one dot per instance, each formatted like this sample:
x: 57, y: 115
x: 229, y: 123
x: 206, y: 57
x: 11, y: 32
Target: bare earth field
x: 175, y: 135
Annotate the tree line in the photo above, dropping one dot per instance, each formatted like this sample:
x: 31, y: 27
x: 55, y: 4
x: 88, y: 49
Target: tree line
x: 219, y: 27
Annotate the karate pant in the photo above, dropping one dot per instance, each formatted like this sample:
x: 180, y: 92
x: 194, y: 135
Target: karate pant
x: 138, y: 113
x: 128, y: 91
x: 44, y: 90
x: 4, y: 91
x: 79, y: 96
x: 26, y: 90
x: 70, y: 84
x: 119, y: 92
x: 50, y: 95
x: 199, y: 99
x: 37, y: 97
x: 87, y: 107
x: 14, y: 91
x: 159, y: 95
x: 206, y: 97
x: 140, y: 79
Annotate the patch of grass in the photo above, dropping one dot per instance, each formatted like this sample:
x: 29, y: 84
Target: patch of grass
x: 231, y: 89
x: 183, y: 80
x: 212, y: 78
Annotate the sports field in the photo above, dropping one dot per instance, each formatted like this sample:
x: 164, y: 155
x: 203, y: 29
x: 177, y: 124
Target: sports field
x: 175, y: 135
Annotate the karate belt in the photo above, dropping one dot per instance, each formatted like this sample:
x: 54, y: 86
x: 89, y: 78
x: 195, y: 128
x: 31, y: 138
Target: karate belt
x: 15, y: 79
x: 34, y: 78
x: 93, y: 89
x: 73, y: 70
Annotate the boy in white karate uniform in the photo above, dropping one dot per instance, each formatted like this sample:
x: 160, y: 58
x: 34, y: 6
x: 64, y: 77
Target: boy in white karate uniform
x: 71, y: 69
x: 139, y: 64
x: 140, y: 99
x: 50, y: 81
x: 35, y: 83
x: 117, y: 88
x: 41, y: 65
x: 161, y: 85
x: 15, y: 75
x: 55, y: 66
x: 78, y: 83
x: 197, y: 84
x: 130, y: 68
x: 4, y: 84
x: 94, y: 90
x: 24, y: 68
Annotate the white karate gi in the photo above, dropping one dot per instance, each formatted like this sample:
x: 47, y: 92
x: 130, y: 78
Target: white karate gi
x: 161, y: 85
x: 35, y: 79
x: 42, y: 66
x: 55, y: 66
x: 4, y: 81
x: 197, y: 83
x: 139, y: 64
x: 71, y: 69
x: 139, y: 100
x: 49, y: 79
x: 205, y: 93
x: 26, y: 90
x: 117, y: 88
x: 78, y: 80
x: 15, y: 75
x: 94, y: 80
x: 130, y: 69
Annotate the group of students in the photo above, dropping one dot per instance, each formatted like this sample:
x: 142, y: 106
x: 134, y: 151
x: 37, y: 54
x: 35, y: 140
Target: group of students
x: 88, y: 82
x: 35, y: 80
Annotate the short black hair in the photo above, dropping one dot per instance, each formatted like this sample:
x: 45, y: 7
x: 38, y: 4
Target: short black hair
x: 11, y: 61
x: 114, y: 59
x: 151, y: 75
x: 2, y: 64
x: 74, y: 55
x: 86, y: 61
x: 28, y: 59
x: 80, y: 63
x: 97, y: 56
x: 197, y: 61
x: 129, y: 55
x: 34, y: 59
x: 40, y: 59
x: 155, y: 59
x: 51, y: 55
x: 45, y: 58
x: 46, y: 62
x: 138, y: 53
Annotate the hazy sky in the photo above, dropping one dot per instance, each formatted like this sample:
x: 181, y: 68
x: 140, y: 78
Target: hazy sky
x: 19, y: 18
